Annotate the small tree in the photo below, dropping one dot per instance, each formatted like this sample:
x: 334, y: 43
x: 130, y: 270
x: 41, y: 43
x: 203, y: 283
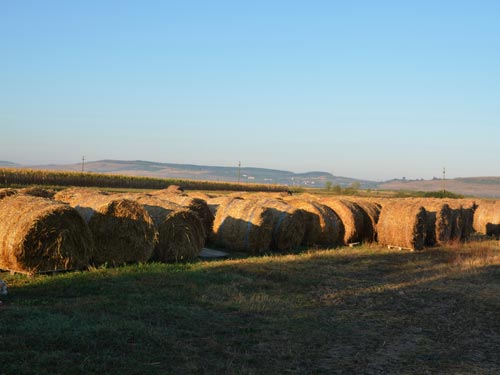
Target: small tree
x: 328, y: 185
x: 337, y: 189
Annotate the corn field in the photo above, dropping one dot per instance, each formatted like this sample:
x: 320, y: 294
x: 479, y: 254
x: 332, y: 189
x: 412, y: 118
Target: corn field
x: 10, y: 177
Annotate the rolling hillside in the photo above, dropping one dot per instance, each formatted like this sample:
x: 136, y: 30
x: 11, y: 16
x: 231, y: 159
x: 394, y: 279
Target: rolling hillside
x: 210, y: 173
x: 488, y: 187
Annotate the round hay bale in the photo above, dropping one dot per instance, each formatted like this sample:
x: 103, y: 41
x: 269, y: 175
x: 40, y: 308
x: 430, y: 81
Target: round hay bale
x: 353, y: 218
x: 122, y: 229
x: 243, y: 225
x: 402, y: 224
x: 487, y: 218
x: 38, y: 192
x: 468, y: 220
x: 440, y: 221
x: 174, y: 189
x: 7, y: 192
x: 181, y: 233
x: 215, y: 203
x: 371, y: 212
x: 200, y: 195
x: 322, y: 225
x: 289, y: 225
x: 197, y: 205
x: 41, y: 235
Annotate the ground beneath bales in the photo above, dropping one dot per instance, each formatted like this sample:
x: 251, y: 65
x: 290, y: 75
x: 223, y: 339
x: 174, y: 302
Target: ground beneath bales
x: 364, y: 310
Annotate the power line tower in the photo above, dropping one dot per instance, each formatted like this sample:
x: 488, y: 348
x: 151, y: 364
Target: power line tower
x: 239, y: 171
x: 83, y: 163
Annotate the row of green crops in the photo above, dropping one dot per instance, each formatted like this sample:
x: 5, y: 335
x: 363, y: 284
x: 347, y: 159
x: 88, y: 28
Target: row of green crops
x: 10, y: 177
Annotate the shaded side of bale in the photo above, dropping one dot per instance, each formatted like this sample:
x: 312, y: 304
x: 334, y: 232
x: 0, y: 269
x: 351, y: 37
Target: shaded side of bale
x: 463, y: 223
x: 181, y: 233
x: 7, y: 192
x: 371, y: 212
x: 322, y: 225
x: 403, y: 225
x: 41, y: 235
x: 243, y: 225
x: 487, y: 218
x: 440, y: 219
x: 197, y: 205
x: 122, y: 229
x: 468, y: 220
x: 353, y: 218
x: 288, y: 227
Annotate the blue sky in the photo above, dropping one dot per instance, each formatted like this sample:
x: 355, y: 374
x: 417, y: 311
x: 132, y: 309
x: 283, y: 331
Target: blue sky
x: 366, y: 89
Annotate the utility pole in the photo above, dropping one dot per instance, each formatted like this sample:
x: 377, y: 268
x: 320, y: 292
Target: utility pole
x: 239, y: 171
x: 444, y: 180
x: 83, y: 163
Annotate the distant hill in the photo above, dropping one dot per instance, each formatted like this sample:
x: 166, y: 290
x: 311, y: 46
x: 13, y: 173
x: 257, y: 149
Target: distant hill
x: 9, y: 164
x: 488, y: 187
x: 470, y: 186
x: 210, y: 173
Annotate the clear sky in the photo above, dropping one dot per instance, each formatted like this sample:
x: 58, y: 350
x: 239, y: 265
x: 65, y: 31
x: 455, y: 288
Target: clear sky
x: 365, y: 89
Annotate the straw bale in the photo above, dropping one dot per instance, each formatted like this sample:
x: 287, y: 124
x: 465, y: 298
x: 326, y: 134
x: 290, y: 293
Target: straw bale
x: 402, y: 224
x: 260, y: 194
x: 122, y: 229
x: 7, y: 192
x: 371, y: 210
x: 322, y: 224
x: 197, y: 205
x: 41, y: 235
x: 243, y: 225
x: 200, y: 195
x: 215, y: 203
x: 487, y: 218
x: 353, y: 218
x: 38, y: 192
x: 181, y: 233
x: 441, y: 219
x: 288, y: 227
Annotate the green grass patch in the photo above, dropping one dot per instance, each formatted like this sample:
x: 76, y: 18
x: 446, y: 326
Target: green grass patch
x: 362, y: 310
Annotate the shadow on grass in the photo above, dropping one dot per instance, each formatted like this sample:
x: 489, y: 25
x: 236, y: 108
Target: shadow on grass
x: 367, y: 311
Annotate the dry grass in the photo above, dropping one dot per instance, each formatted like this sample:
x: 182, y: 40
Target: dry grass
x: 365, y: 311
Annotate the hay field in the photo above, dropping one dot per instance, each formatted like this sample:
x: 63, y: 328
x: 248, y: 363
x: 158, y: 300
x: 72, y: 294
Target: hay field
x: 369, y: 311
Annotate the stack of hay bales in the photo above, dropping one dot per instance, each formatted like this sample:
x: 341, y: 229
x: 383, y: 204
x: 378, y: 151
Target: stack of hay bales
x: 197, y: 205
x: 288, y: 227
x: 41, y: 235
x: 402, y: 224
x: 322, y: 225
x: 181, y: 233
x: 242, y: 225
x: 487, y: 218
x: 122, y: 229
x: 353, y: 218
